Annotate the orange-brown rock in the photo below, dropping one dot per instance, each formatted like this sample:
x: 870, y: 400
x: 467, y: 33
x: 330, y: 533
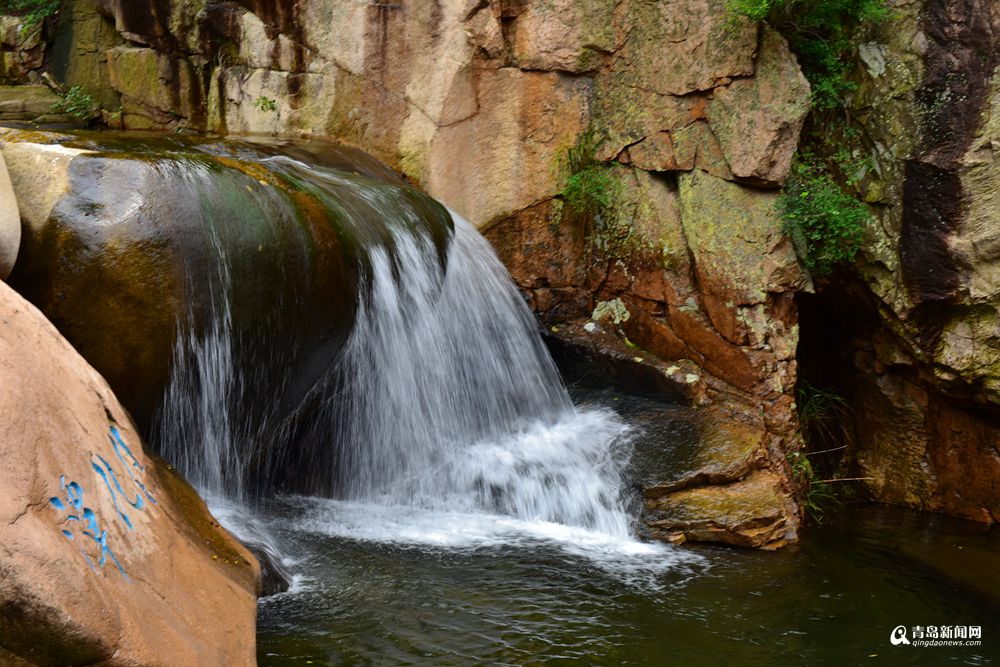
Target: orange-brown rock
x: 753, y: 512
x: 106, y: 555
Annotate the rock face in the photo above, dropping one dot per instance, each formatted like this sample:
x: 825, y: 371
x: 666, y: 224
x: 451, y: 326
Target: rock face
x: 107, y: 555
x: 483, y: 104
x: 911, y: 335
x: 22, y: 50
x: 28, y: 103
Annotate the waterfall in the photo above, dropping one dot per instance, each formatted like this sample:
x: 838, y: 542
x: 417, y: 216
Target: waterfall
x: 442, y: 398
x: 451, y: 401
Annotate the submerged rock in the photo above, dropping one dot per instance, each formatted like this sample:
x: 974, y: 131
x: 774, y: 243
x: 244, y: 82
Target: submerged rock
x: 108, y: 555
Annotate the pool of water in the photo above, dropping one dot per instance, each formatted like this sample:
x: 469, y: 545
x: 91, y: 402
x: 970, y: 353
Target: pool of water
x: 383, y: 585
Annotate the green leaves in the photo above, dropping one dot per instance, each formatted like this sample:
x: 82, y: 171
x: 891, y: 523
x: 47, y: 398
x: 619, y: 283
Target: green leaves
x: 34, y: 11
x: 77, y: 103
x: 820, y: 33
x: 590, y: 186
x: 263, y: 103
x: 827, y: 223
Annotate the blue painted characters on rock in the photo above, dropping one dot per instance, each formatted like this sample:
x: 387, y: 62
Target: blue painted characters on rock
x: 83, y: 526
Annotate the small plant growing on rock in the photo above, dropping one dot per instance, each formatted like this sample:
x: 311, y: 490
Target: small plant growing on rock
x: 590, y: 187
x: 33, y: 11
x: 77, y: 103
x: 265, y: 104
x: 823, y: 417
x: 826, y: 223
x: 821, y: 34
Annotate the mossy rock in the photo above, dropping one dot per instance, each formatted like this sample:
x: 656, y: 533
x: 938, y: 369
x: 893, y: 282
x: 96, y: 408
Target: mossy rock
x: 159, y: 237
x: 753, y: 512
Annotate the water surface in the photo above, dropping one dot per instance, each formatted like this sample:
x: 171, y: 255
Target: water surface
x: 384, y: 585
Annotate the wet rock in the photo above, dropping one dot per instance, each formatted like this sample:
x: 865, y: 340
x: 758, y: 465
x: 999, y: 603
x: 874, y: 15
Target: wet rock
x: 720, y: 486
x: 727, y: 449
x: 108, y: 554
x: 274, y: 578
x: 752, y: 512
x: 125, y: 253
x: 25, y: 161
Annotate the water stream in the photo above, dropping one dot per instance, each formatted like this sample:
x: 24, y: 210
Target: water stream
x: 443, y: 421
x: 455, y: 505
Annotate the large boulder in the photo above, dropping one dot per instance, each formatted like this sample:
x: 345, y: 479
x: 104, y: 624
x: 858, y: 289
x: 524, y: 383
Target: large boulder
x: 106, y: 555
x: 134, y: 250
x: 10, y: 223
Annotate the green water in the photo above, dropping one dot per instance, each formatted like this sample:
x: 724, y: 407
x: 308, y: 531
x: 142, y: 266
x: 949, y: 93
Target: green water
x: 370, y: 598
x: 832, y: 600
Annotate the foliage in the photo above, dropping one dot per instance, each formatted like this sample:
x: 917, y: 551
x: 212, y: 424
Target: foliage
x: 590, y: 187
x: 826, y: 222
x: 822, y: 415
x: 77, y: 103
x: 265, y: 104
x: 34, y: 11
x: 820, y: 33
x: 817, y: 494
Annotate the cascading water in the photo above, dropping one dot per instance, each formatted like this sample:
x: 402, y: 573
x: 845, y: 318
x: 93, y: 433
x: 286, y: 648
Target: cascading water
x: 450, y: 400
x: 441, y: 420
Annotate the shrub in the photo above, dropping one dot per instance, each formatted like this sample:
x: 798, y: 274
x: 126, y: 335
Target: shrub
x: 820, y: 33
x: 77, y: 103
x: 265, y: 104
x: 33, y: 11
x: 826, y: 222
